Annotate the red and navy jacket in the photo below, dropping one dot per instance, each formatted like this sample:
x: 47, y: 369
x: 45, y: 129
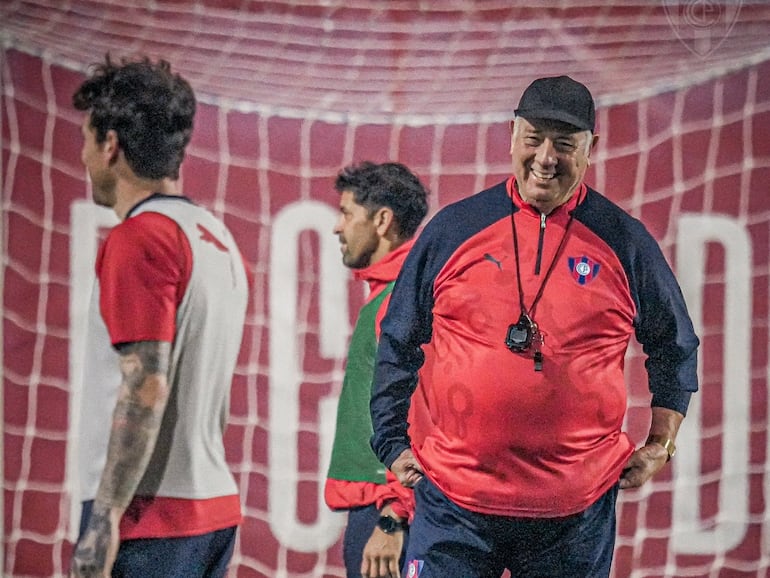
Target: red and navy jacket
x: 492, y: 433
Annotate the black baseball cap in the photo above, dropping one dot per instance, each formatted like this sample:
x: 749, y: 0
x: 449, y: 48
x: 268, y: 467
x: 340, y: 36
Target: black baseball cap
x: 558, y: 98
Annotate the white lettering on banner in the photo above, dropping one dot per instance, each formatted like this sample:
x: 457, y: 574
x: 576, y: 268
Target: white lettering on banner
x: 690, y: 534
x: 86, y: 219
x: 286, y: 369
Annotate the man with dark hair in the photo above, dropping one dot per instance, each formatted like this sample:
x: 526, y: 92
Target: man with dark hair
x: 381, y: 208
x: 515, y: 307
x: 170, y: 296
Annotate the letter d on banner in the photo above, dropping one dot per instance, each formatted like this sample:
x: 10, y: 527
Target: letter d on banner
x: 690, y: 533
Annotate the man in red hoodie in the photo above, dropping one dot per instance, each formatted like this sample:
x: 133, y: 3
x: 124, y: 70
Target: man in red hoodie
x: 381, y: 208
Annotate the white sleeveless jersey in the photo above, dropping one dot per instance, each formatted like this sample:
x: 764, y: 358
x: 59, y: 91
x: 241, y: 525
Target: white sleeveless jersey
x: 189, y: 458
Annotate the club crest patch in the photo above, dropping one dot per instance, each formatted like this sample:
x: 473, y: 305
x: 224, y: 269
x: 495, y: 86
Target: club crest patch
x: 414, y: 568
x: 583, y: 269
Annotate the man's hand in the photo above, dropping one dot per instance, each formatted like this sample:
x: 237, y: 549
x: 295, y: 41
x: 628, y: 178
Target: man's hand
x: 97, y: 549
x: 381, y: 555
x: 643, y: 464
x: 407, y: 469
x: 648, y: 460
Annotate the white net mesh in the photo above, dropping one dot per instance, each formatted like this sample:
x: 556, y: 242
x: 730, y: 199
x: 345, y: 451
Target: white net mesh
x: 290, y: 92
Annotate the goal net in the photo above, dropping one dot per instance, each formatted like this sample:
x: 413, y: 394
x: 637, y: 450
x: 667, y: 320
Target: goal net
x: 289, y: 93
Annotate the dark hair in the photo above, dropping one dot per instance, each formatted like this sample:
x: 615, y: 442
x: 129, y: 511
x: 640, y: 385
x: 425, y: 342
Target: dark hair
x: 150, y: 108
x: 389, y: 185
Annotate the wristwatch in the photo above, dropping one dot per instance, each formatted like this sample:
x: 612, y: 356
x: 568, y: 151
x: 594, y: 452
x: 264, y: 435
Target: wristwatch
x: 391, y: 525
x: 667, y: 443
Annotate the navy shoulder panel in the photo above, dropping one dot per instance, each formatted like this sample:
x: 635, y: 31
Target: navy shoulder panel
x: 461, y: 220
x: 662, y: 323
x: 625, y: 235
x: 453, y: 225
x: 614, y: 225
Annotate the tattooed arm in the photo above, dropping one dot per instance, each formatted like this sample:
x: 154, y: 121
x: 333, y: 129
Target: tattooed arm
x: 142, y: 399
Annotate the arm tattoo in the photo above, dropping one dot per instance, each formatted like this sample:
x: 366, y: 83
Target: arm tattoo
x: 136, y: 421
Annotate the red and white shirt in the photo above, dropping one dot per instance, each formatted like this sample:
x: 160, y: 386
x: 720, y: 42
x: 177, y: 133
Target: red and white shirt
x: 172, y: 272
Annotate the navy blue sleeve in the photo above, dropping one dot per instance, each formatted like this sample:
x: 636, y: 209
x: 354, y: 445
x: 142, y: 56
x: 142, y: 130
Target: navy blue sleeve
x: 663, y: 326
x: 408, y: 322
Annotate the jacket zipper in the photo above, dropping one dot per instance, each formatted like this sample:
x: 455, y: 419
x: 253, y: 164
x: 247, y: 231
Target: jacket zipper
x: 540, y: 241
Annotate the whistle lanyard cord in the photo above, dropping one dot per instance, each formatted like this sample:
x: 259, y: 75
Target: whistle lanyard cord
x: 531, y: 312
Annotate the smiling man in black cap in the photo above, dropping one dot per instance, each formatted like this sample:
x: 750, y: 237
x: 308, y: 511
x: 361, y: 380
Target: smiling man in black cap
x: 515, y: 307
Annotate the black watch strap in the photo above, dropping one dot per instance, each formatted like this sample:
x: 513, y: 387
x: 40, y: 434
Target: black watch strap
x: 391, y: 525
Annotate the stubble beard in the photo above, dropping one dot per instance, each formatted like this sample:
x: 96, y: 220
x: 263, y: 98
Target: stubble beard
x: 103, y: 191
